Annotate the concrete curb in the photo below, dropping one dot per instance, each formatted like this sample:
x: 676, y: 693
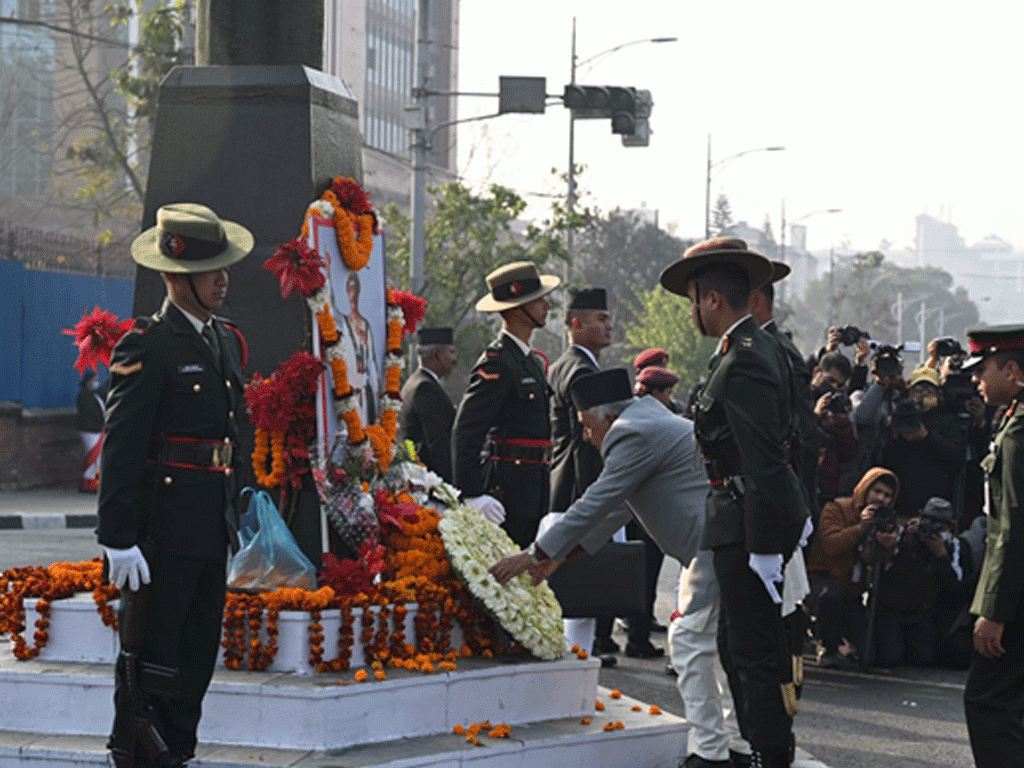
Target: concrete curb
x: 37, y: 521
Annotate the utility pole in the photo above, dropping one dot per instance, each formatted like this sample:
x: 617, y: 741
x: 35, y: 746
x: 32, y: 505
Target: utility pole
x: 419, y: 166
x: 571, y: 196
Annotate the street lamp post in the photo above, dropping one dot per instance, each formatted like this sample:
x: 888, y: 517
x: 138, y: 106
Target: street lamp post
x: 782, y: 234
x: 573, y: 66
x: 719, y: 163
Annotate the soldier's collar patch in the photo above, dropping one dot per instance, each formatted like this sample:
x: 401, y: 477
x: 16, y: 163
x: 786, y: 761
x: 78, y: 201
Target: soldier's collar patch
x: 191, y: 368
x: 725, y: 344
x: 1010, y: 410
x: 746, y: 342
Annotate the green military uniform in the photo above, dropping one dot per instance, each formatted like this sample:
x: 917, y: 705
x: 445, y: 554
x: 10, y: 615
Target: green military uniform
x: 994, y: 693
x: 501, y: 440
x: 169, y: 472
x: 502, y: 436
x: 744, y: 422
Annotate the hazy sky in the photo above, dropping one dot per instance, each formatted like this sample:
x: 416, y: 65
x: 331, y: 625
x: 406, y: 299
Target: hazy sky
x: 886, y: 110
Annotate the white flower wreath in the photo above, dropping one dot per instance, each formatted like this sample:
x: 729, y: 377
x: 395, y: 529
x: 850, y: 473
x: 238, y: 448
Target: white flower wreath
x: 529, y: 614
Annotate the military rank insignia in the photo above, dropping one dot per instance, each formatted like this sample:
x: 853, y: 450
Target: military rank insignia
x: 746, y: 342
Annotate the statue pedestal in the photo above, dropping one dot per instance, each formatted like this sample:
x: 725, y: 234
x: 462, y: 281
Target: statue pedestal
x: 257, y: 144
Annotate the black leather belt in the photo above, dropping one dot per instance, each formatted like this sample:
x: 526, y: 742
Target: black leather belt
x: 194, y: 453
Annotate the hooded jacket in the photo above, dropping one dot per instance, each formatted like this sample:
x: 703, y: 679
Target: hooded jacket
x: 835, y: 548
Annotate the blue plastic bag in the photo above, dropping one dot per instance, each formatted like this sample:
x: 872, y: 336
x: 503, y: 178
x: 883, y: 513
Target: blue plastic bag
x: 269, y: 558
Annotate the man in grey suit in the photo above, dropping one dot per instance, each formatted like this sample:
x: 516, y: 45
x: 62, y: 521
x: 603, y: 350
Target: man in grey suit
x: 650, y: 464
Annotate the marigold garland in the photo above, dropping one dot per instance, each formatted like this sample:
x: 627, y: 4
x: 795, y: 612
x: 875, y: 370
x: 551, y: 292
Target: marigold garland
x: 273, y: 446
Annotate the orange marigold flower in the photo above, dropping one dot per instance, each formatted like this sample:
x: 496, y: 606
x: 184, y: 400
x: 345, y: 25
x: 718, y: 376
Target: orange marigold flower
x: 655, y: 710
x: 585, y: 720
x: 361, y: 675
x: 458, y: 730
x: 379, y: 674
x: 599, y: 705
x: 615, y: 695
x: 474, y: 729
x: 637, y: 708
x: 575, y: 648
x: 582, y: 654
x: 609, y: 727
x: 486, y: 724
x: 618, y: 725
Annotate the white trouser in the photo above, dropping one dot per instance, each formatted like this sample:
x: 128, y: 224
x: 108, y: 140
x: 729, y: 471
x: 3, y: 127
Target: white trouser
x: 577, y: 631
x: 703, y: 686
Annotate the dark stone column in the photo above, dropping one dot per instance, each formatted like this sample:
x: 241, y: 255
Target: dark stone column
x: 257, y: 144
x: 259, y: 32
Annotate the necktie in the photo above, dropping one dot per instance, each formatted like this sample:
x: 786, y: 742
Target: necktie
x: 211, y: 339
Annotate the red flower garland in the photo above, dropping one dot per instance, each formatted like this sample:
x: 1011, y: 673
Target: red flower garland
x: 298, y: 267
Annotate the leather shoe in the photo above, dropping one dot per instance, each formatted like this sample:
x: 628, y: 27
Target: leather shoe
x: 608, y: 659
x: 603, y: 645
x: 644, y: 650
x: 696, y: 761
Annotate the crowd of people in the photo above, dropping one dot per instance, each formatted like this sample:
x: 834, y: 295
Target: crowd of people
x: 871, y: 472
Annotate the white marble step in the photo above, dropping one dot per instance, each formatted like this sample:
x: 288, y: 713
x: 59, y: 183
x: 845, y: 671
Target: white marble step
x: 646, y: 741
x: 311, y: 712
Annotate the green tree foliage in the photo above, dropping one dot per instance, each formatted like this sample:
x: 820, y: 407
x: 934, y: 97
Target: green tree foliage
x: 663, y: 320
x: 865, y: 292
x: 467, y: 236
x: 108, y: 133
x: 721, y: 216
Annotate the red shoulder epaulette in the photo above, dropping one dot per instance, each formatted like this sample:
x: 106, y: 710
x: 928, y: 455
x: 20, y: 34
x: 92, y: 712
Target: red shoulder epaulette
x: 544, y: 358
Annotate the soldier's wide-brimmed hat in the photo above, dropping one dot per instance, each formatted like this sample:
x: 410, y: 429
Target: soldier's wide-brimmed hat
x: 515, y: 284
x: 718, y: 250
x: 780, y: 271
x: 990, y: 339
x: 599, y: 388
x: 190, y: 238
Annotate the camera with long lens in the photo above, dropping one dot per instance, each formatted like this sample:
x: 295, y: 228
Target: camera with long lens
x: 928, y: 527
x: 888, y: 363
x: 906, y: 417
x: 838, y: 403
x: 849, y: 335
x: 948, y: 347
x: 885, y: 519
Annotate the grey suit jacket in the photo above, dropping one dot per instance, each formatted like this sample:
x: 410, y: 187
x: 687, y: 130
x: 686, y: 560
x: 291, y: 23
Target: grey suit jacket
x: 650, y: 463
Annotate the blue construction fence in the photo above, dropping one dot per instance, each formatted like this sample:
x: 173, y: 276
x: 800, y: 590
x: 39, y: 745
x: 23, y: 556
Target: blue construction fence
x: 35, y: 306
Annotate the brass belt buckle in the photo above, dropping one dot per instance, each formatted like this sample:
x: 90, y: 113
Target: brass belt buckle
x: 222, y: 454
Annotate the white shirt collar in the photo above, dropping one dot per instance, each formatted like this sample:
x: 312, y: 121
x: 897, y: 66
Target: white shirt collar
x: 196, y: 322
x: 589, y: 354
x: 427, y: 370
x: 731, y: 329
x: 523, y: 346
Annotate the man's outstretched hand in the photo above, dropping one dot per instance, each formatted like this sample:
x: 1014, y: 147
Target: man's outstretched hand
x: 509, y: 567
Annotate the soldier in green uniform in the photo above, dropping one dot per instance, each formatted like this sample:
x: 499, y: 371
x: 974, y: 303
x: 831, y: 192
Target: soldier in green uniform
x: 501, y: 441
x: 994, y: 694
x: 755, y: 512
x: 168, y: 482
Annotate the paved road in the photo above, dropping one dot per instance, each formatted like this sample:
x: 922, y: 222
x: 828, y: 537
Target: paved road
x: 905, y: 718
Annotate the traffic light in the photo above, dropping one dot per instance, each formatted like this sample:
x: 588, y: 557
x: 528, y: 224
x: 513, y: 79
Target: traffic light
x: 640, y: 136
x: 587, y: 102
x: 623, y: 104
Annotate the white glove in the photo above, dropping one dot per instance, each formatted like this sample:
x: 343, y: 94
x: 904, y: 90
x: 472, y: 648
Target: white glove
x: 805, y: 535
x: 769, y: 569
x: 489, y: 507
x: 127, y: 566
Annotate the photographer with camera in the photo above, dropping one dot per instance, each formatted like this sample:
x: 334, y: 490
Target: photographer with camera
x: 832, y: 411
x: 834, y: 565
x: 960, y: 398
x: 850, y: 336
x: 924, y: 446
x: 921, y: 582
